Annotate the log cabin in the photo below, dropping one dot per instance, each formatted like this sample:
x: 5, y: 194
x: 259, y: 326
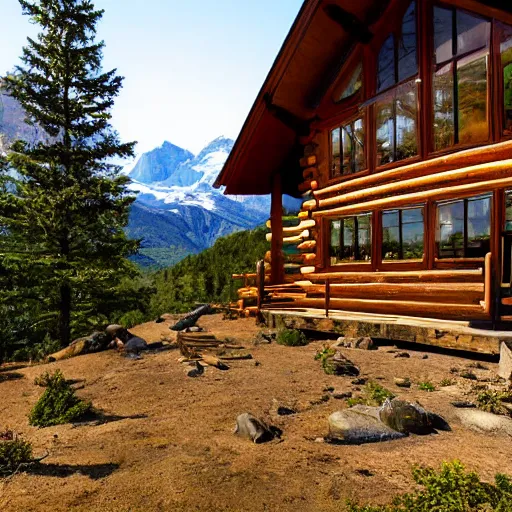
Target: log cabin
x: 392, y: 119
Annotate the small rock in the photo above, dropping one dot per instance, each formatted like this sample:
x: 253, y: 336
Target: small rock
x: 319, y: 440
x: 425, y: 356
x: 403, y: 354
x: 460, y: 404
x: 352, y: 426
x: 281, y: 409
x: 362, y: 343
x: 340, y: 365
x: 194, y: 328
x: 505, y: 366
x: 364, y: 472
x: 468, y: 375
x: 359, y: 382
x: 253, y: 428
x: 257, y: 363
x: 403, y: 383
x: 342, y: 396
x: 197, y: 371
x: 265, y: 337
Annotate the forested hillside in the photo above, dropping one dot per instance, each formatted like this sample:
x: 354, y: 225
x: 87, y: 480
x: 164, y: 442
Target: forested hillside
x: 206, y: 277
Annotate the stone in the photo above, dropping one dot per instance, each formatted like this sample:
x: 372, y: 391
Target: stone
x: 403, y: 382
x: 280, y: 409
x: 194, y: 328
x: 438, y: 422
x: 113, y: 329
x: 135, y: 345
x: 357, y: 426
x: 342, y: 395
x: 425, y: 356
x: 265, y: 337
x: 338, y: 364
x: 359, y: 382
x: 405, y: 417
x: 253, y: 428
x: 197, y: 371
x: 462, y: 404
x: 482, y: 421
x: 505, y: 366
x: 403, y: 354
x: 362, y: 343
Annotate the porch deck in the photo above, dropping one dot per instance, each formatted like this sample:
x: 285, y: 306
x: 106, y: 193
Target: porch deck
x: 451, y: 334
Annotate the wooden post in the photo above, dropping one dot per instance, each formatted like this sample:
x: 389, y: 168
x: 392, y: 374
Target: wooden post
x: 276, y: 219
x: 327, y: 296
x: 260, y: 282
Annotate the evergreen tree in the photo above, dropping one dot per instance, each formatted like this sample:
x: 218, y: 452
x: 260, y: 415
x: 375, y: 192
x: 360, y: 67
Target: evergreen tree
x: 63, y: 249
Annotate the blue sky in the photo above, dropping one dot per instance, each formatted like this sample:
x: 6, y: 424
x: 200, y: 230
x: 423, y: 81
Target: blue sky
x: 192, y: 69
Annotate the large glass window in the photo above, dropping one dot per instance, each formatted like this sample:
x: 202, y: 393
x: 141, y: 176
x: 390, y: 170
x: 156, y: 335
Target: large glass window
x: 461, y: 54
x: 351, y: 239
x: 355, y: 83
x: 396, y: 112
x: 505, y: 32
x: 464, y: 228
x: 347, y: 149
x: 508, y: 210
x: 403, y: 234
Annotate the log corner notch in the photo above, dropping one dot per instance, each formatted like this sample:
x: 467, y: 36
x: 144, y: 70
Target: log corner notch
x: 276, y: 220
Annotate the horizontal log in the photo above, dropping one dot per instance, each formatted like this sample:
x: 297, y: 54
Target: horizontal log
x: 309, y: 257
x: 310, y: 204
x: 308, y: 161
x: 455, y: 293
x: 288, y: 295
x: 465, y: 158
x: 307, y: 270
x: 291, y: 239
x: 413, y: 276
x: 303, y: 215
x: 418, y: 197
x: 477, y: 173
x: 306, y: 185
x: 399, y: 307
x: 304, y: 224
x: 286, y: 222
x: 307, y: 245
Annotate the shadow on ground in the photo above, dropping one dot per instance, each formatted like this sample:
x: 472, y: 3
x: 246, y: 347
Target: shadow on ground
x: 93, y: 471
x: 95, y: 418
x: 11, y: 376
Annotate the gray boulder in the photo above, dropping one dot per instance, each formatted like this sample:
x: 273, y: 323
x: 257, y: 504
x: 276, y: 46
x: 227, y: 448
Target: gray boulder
x: 253, y: 428
x: 407, y: 417
x: 481, y: 421
x: 340, y: 365
x: 359, y: 425
x: 505, y: 367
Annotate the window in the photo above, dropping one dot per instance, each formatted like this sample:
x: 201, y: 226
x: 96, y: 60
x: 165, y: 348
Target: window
x: 461, y: 53
x: 354, y: 85
x: 396, y: 112
x: 347, y: 149
x: 402, y: 234
x: 464, y: 228
x: 508, y: 210
x: 351, y: 239
x: 505, y: 32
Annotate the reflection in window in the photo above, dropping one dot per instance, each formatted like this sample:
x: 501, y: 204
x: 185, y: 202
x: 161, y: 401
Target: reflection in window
x: 396, y: 125
x: 403, y: 234
x: 461, y: 45
x: 397, y: 58
x: 347, y: 144
x: 508, y: 210
x: 351, y: 239
x: 506, y: 64
x: 355, y: 83
x: 464, y: 228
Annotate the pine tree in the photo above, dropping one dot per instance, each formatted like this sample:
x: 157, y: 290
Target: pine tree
x: 63, y: 247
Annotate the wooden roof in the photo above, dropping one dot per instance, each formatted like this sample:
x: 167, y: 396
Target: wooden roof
x: 308, y: 62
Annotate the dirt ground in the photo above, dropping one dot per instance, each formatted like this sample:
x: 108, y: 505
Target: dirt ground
x: 169, y: 443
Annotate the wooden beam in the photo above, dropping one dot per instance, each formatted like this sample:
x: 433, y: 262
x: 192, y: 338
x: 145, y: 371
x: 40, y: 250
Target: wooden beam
x: 488, y: 283
x: 469, y: 157
x: 418, y: 197
x: 349, y: 22
x: 298, y: 125
x: 413, y: 276
x: 477, y: 173
x: 276, y: 218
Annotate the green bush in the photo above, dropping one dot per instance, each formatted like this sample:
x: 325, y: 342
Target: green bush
x: 452, y: 489
x: 291, y: 338
x: 132, y: 318
x: 36, y: 352
x: 13, y: 452
x: 324, y: 356
x: 426, y: 386
x: 373, y: 394
x: 492, y: 401
x: 58, y: 404
x: 447, y: 382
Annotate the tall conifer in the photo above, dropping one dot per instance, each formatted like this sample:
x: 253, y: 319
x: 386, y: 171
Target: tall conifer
x: 63, y: 248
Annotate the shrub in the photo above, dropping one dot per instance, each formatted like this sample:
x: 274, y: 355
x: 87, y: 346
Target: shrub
x: 324, y: 357
x: 58, y: 404
x: 132, y: 318
x: 426, y: 386
x: 492, y: 401
x: 291, y: 338
x: 373, y: 394
x: 13, y: 452
x: 447, y: 382
x: 36, y: 352
x: 452, y: 489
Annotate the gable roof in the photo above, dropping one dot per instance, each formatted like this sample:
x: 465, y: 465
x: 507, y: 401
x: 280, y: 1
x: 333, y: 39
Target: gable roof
x: 308, y: 62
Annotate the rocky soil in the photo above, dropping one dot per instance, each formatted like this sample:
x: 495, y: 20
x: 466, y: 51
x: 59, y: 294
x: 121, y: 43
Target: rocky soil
x: 167, y: 441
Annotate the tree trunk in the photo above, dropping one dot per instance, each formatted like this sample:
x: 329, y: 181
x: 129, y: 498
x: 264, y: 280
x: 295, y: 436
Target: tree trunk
x: 65, y: 315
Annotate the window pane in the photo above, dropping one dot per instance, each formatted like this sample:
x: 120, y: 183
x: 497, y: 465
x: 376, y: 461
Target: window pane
x: 348, y: 249
x: 334, y: 246
x: 479, y: 227
x: 443, y: 33
x: 386, y: 72
x: 407, y: 63
x: 348, y: 160
x: 450, y: 230
x: 391, y: 235
x: 406, y: 140
x: 506, y: 63
x: 335, y: 157
x: 359, y: 156
x: 364, y: 238
x: 472, y: 33
x: 472, y: 86
x: 508, y: 210
x: 355, y: 84
x: 444, y: 129
x: 385, y: 131
x: 412, y: 234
